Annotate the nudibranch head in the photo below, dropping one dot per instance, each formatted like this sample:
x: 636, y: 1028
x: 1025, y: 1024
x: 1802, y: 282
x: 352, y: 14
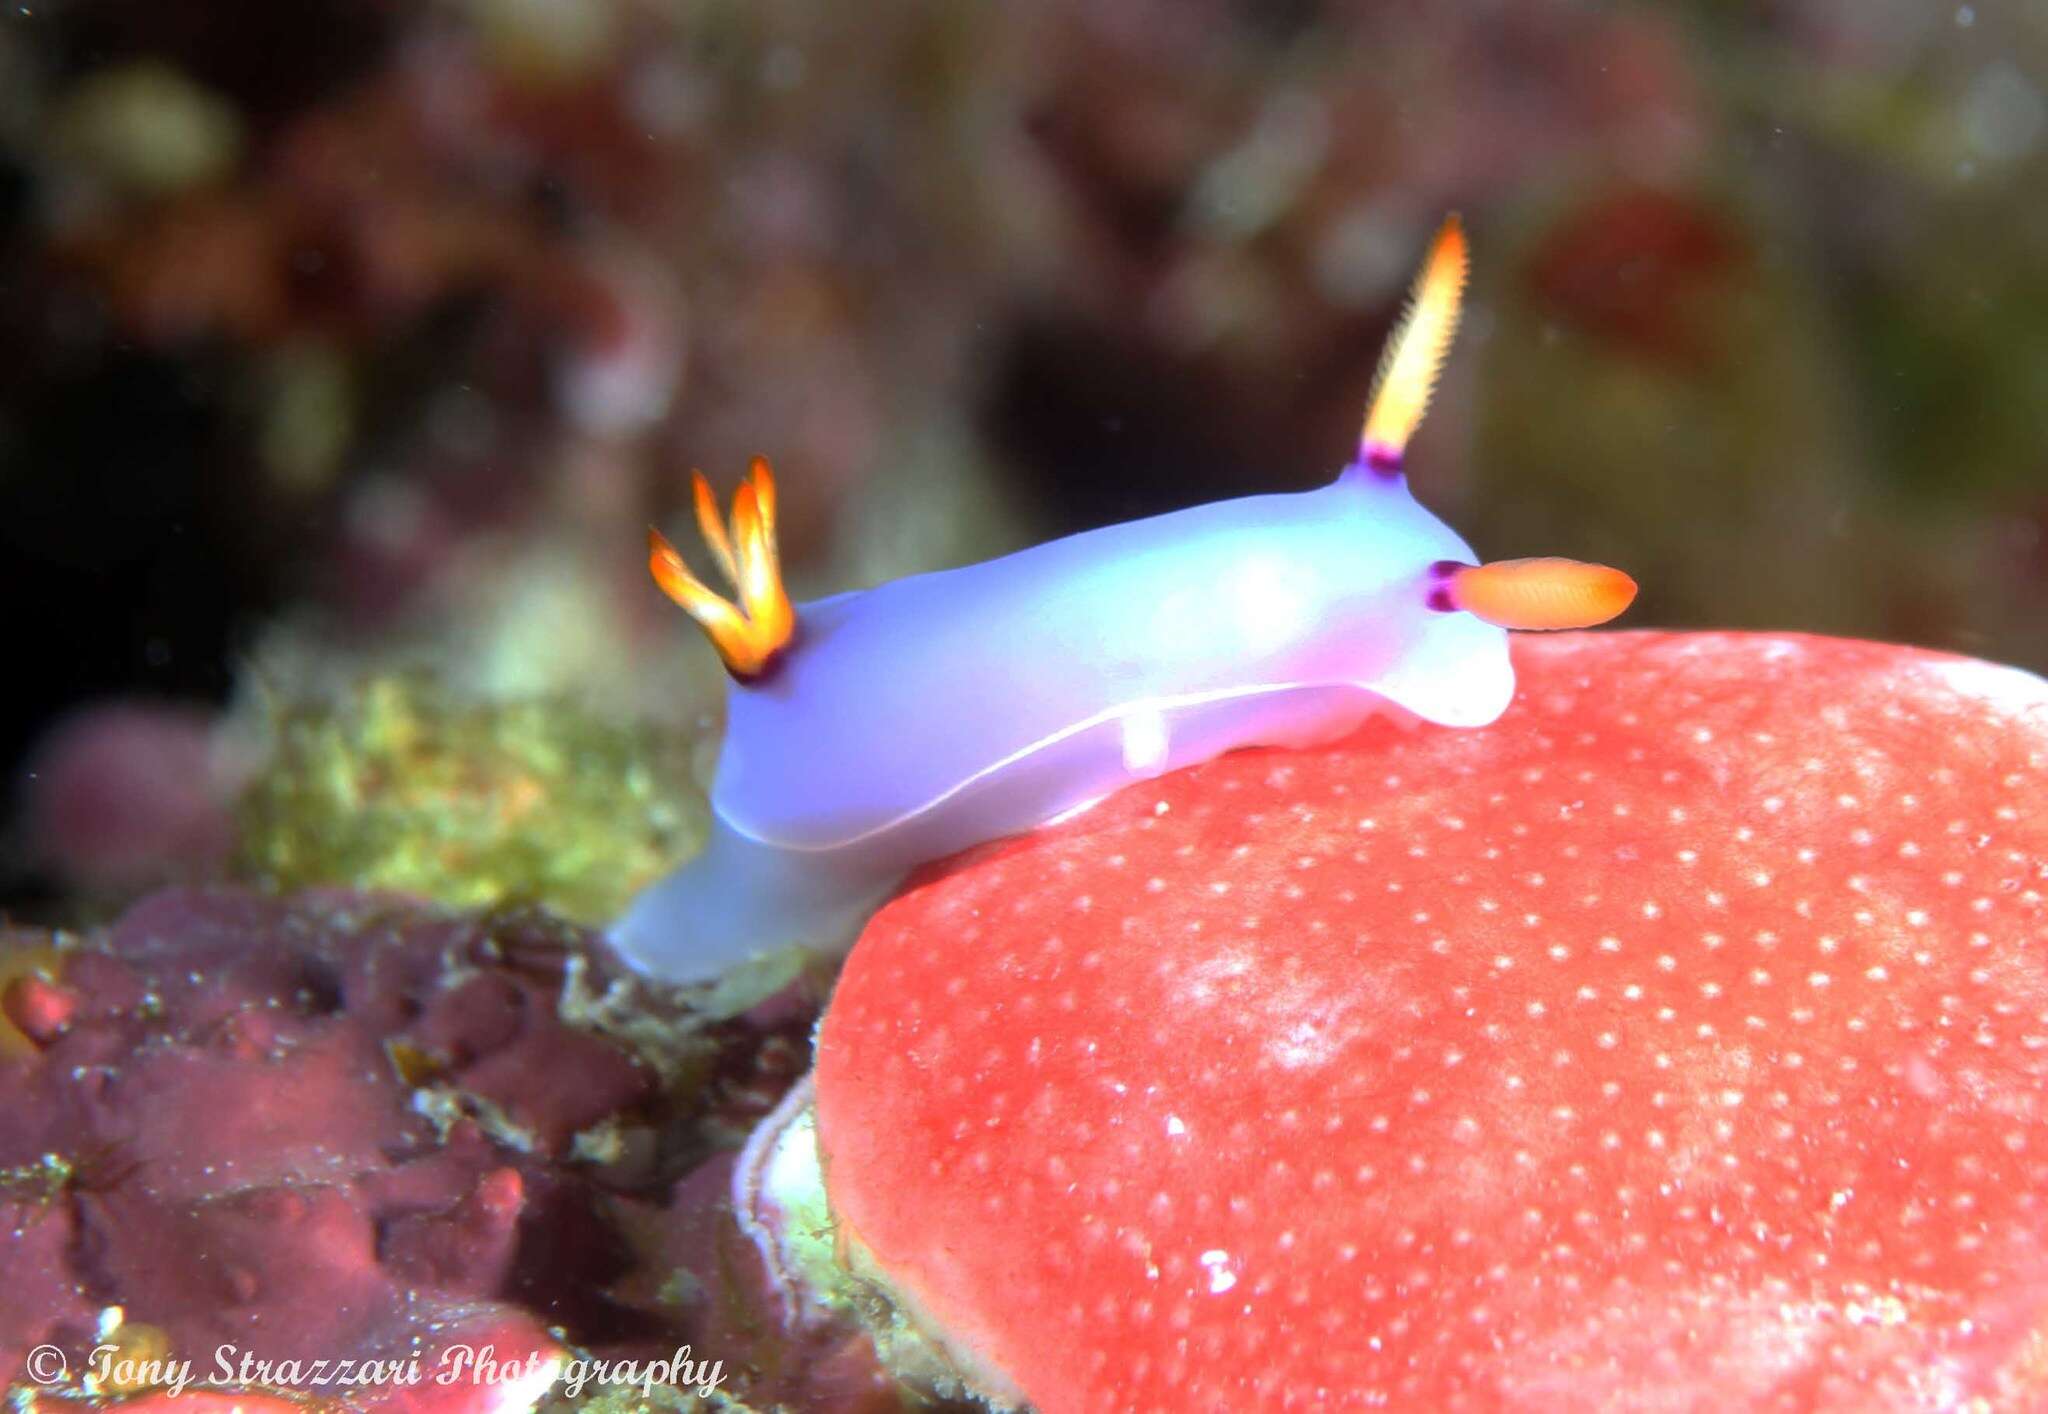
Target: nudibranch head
x: 1520, y: 594
x: 749, y: 633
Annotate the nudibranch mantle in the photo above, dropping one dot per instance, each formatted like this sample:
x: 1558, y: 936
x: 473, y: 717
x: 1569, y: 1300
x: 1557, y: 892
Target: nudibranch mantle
x: 1019, y: 688
x: 874, y: 731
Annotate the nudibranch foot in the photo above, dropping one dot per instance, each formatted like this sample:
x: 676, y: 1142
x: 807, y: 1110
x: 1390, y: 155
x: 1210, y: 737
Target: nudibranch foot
x: 739, y: 901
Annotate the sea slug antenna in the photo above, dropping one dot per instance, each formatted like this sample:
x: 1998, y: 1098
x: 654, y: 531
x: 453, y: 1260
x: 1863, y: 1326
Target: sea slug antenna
x: 1415, y: 352
x: 1545, y: 593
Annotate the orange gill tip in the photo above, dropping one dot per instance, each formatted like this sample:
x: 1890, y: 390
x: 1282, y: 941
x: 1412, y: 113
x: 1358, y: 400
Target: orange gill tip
x: 713, y: 529
x: 1534, y: 594
x: 1415, y: 351
x: 750, y: 631
x: 762, y: 476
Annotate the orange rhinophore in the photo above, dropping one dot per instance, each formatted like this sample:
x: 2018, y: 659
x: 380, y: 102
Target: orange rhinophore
x: 747, y: 632
x: 1415, y: 351
x: 1536, y: 594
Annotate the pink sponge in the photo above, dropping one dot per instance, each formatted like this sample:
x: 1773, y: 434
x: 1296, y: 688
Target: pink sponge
x: 1681, y: 1041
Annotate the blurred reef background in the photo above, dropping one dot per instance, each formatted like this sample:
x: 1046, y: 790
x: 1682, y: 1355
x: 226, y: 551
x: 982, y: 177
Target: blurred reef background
x: 347, y: 348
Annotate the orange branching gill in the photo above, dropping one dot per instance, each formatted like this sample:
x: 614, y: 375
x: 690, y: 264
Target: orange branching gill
x: 750, y: 631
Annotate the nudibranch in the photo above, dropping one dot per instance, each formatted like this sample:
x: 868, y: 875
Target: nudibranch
x: 871, y: 732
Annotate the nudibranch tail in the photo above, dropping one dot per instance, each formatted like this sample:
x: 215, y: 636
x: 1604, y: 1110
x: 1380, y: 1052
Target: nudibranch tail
x: 750, y: 632
x: 1415, y: 351
x: 1536, y: 594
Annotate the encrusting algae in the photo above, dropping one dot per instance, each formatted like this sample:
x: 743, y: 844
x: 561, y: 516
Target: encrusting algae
x: 402, y: 786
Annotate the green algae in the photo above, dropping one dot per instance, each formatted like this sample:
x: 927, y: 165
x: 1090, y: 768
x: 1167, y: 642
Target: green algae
x: 400, y: 785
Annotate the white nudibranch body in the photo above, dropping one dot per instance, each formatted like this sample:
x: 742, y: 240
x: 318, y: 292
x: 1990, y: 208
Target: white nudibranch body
x: 871, y: 732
